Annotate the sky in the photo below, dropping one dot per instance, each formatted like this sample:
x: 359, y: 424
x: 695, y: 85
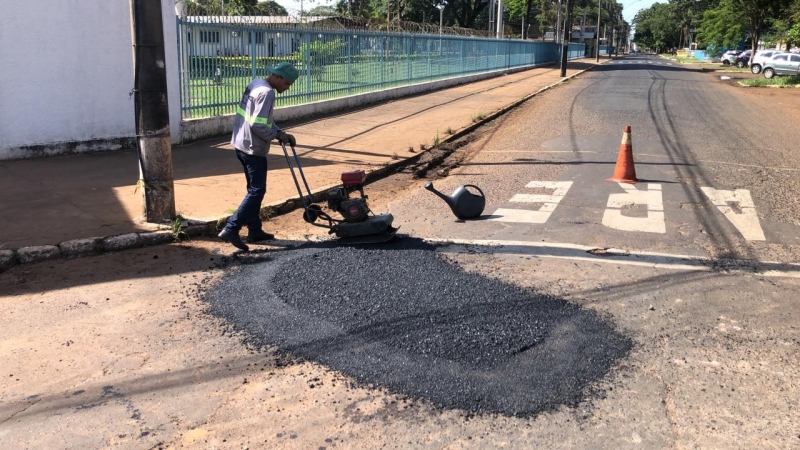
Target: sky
x: 629, y: 10
x: 631, y: 7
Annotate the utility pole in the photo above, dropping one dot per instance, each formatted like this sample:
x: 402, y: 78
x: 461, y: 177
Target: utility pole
x: 154, y: 145
x: 565, y: 42
x: 597, y: 33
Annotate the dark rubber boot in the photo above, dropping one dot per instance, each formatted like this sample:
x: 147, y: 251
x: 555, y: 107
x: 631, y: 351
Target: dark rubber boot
x: 229, y: 236
x: 259, y: 236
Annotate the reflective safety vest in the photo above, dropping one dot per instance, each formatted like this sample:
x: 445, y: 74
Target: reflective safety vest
x: 253, y: 127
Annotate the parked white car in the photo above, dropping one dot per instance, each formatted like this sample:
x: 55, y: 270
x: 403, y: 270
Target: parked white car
x: 761, y: 57
x: 729, y: 57
x: 782, y: 64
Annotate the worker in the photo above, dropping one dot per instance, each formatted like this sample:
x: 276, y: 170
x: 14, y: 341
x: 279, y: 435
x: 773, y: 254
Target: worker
x: 253, y: 129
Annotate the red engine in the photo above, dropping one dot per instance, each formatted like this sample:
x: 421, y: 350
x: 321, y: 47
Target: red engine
x: 354, y: 177
x: 352, y: 209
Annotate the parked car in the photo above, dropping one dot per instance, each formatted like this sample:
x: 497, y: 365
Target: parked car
x: 743, y: 59
x: 761, y: 57
x: 729, y: 57
x: 782, y: 64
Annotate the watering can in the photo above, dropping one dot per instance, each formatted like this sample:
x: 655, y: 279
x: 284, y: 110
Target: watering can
x: 465, y: 204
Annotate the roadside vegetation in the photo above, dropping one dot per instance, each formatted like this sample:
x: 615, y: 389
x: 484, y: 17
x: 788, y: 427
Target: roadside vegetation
x: 716, y: 25
x: 788, y: 82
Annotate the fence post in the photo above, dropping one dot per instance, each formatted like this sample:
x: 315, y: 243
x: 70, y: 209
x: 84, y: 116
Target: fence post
x: 349, y: 63
x: 461, y: 59
x: 409, y: 45
x: 181, y: 76
x: 384, y: 50
x: 428, y: 40
x: 307, y: 63
x: 253, y: 53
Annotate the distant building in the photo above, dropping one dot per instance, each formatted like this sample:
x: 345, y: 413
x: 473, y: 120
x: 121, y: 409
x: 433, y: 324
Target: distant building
x: 207, y: 36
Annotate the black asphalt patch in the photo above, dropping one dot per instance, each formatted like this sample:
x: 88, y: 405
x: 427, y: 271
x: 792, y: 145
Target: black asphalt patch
x: 400, y: 317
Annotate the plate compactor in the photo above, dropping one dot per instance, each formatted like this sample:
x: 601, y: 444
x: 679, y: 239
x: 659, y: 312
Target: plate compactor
x: 359, y: 225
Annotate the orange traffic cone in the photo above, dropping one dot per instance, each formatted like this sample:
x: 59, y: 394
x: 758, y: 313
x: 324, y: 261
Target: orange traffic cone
x: 625, y: 172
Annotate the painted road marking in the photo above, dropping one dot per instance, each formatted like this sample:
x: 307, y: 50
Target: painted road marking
x: 746, y: 220
x: 651, y: 198
x: 549, y: 203
x: 623, y: 257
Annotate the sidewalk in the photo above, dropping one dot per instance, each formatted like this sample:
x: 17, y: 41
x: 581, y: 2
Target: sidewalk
x: 50, y: 200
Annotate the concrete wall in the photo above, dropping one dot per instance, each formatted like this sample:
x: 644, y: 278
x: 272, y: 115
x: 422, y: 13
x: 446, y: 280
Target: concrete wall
x: 66, y: 68
x: 198, y: 129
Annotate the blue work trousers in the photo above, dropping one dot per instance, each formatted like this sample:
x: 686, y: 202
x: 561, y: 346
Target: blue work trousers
x: 255, y: 171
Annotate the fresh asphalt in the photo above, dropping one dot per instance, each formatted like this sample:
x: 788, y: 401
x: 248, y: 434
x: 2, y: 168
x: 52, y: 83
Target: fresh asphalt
x: 400, y: 317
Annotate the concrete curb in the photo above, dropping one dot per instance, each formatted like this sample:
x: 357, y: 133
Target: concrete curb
x: 77, y: 248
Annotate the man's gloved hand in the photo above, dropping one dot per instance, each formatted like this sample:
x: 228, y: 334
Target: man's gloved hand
x: 286, y: 138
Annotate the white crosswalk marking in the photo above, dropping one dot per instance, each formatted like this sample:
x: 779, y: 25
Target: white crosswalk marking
x: 746, y: 221
x: 651, y: 198
x: 550, y: 202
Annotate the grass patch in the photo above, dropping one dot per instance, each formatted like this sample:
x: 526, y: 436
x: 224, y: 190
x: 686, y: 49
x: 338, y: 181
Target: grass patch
x: 177, y: 228
x: 478, y: 117
x: 777, y: 81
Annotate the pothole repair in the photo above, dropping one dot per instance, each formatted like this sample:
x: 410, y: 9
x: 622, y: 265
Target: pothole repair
x: 400, y: 317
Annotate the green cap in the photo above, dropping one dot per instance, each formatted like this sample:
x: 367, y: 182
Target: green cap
x: 285, y: 70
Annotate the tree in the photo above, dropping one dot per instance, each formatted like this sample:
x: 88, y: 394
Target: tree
x: 753, y: 16
x: 234, y: 8
x: 322, y: 11
x: 658, y: 27
x: 548, y: 12
x: 722, y: 27
x: 270, y: 8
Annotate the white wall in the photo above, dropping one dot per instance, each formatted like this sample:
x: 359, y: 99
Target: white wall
x: 66, y: 68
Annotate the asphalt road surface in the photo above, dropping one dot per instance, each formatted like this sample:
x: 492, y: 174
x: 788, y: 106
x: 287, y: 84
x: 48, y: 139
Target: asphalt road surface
x: 577, y: 313
x: 696, y: 264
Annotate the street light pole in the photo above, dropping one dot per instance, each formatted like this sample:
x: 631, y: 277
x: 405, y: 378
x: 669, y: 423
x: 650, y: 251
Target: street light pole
x: 441, y: 6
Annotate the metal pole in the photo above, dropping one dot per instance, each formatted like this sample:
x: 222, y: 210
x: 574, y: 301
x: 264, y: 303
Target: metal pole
x: 565, y: 42
x: 597, y: 33
x: 154, y: 145
x: 491, y: 15
x: 558, y: 23
x: 499, y: 19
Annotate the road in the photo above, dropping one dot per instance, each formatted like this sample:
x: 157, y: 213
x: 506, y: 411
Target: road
x: 577, y: 313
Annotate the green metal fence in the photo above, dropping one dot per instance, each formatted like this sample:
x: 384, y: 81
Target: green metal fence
x: 218, y: 60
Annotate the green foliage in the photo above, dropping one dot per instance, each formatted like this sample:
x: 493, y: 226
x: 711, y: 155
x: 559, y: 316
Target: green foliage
x: 235, y: 8
x: 177, y: 228
x: 657, y: 27
x: 777, y: 81
x: 723, y: 26
x: 322, y: 11
x: 721, y: 23
x: 793, y: 35
x: 320, y: 54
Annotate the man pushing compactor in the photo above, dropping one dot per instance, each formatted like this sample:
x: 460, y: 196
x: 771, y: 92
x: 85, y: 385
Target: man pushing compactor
x: 253, y: 129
